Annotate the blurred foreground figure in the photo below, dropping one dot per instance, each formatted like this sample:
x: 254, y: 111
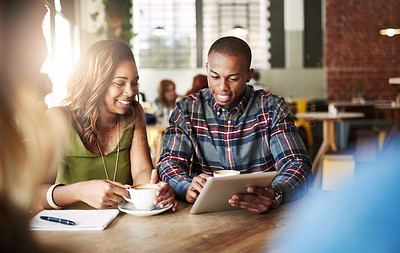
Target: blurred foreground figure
x: 362, y: 217
x: 28, y: 143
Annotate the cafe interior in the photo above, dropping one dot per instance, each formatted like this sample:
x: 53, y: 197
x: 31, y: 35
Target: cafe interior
x: 335, y: 62
x: 321, y: 56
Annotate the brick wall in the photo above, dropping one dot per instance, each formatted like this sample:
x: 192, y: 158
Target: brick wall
x: 356, y: 55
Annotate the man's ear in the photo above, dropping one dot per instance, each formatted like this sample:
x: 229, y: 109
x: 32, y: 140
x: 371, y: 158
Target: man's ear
x: 250, y: 75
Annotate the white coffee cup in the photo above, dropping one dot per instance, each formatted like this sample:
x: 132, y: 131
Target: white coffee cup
x: 226, y: 173
x: 143, y: 196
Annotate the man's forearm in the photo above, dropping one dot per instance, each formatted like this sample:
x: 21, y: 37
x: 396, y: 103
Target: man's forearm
x: 175, y: 176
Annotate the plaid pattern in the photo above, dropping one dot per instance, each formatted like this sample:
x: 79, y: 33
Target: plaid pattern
x: 257, y: 135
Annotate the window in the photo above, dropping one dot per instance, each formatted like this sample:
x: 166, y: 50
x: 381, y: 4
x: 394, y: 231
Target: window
x: 166, y: 30
x: 246, y: 19
x: 313, y: 38
x: 166, y: 33
x: 59, y: 33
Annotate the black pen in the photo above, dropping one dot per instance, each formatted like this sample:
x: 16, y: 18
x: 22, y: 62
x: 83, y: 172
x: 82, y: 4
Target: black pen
x: 58, y: 220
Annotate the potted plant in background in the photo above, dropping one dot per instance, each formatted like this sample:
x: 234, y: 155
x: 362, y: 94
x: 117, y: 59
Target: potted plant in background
x: 358, y: 98
x: 118, y: 20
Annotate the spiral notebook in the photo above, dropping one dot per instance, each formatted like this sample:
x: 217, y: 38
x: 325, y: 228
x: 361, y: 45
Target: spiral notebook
x: 84, y: 220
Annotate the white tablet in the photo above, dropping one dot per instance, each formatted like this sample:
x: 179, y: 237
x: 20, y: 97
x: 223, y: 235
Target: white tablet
x: 218, y: 190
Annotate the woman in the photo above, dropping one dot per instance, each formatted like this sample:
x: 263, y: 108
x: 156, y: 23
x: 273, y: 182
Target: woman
x: 166, y: 98
x: 107, y: 146
x: 199, y: 83
x: 29, y: 143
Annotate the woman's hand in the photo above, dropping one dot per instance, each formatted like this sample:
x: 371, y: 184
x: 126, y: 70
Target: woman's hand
x: 165, y: 193
x: 102, y: 194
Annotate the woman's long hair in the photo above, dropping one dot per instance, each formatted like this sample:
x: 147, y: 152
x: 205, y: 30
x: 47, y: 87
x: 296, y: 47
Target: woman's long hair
x: 89, y: 82
x: 162, y: 88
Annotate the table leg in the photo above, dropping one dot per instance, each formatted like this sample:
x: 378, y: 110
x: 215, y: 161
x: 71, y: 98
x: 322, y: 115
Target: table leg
x: 328, y: 143
x: 318, y: 177
x: 329, y: 128
x: 317, y: 165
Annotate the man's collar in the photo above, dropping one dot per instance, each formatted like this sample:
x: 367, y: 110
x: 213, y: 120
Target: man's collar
x: 240, y: 107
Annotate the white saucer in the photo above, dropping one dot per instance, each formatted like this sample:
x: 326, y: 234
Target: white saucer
x: 129, y: 208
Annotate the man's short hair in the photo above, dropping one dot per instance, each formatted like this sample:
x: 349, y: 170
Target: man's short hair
x: 232, y: 46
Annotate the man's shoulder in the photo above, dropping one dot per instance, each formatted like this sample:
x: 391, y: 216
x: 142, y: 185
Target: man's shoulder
x: 195, y: 98
x: 266, y: 97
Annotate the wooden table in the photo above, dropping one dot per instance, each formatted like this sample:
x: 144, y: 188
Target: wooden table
x: 391, y: 112
x: 180, y: 231
x: 343, y: 104
x: 328, y: 139
x: 367, y: 107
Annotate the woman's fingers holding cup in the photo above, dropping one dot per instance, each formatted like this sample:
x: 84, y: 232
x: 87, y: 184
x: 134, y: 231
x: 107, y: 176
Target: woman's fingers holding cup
x: 118, y: 189
x: 115, y: 183
x: 116, y: 193
x: 166, y: 196
x: 163, y: 188
x: 162, y: 194
x: 154, y: 177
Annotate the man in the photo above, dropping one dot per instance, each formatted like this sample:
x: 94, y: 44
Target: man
x: 230, y: 126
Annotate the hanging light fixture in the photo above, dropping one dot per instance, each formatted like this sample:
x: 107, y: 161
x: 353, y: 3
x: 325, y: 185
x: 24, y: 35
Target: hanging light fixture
x: 390, y: 32
x: 239, y: 31
x: 158, y: 31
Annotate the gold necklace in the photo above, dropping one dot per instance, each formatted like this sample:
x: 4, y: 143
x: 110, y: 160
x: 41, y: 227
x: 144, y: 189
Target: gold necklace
x: 116, y: 160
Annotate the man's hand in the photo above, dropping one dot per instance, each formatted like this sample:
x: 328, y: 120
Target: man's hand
x: 195, y: 187
x: 257, y: 200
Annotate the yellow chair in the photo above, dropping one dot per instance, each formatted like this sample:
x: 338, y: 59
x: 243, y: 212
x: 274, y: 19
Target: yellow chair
x: 301, y: 105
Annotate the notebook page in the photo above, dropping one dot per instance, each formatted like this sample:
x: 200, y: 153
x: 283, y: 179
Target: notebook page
x: 84, y: 219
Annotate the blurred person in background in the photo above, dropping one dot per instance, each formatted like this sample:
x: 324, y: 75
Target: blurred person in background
x: 29, y: 139
x: 255, y: 82
x: 199, y: 83
x: 166, y: 99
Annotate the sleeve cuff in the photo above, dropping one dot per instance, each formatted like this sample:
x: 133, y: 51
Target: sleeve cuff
x: 284, y: 188
x: 180, y: 187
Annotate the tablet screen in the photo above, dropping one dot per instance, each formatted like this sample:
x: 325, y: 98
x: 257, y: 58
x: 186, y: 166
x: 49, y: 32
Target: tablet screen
x: 218, y: 190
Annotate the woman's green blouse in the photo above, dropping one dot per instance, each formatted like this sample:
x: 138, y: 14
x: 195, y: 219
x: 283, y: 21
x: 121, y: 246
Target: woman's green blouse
x: 80, y: 164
